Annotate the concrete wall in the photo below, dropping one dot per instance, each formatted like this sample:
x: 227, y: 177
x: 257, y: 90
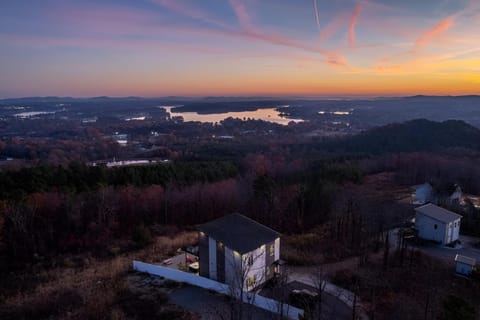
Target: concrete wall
x: 212, y: 258
x: 192, y: 279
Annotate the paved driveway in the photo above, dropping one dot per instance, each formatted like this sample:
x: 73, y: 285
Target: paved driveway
x: 466, y: 248
x: 333, y: 304
x: 210, y: 306
x: 338, y: 301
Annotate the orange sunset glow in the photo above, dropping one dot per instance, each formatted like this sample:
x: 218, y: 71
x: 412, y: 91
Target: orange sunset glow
x: 250, y: 47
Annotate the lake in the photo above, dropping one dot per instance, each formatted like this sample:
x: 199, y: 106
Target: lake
x: 267, y: 114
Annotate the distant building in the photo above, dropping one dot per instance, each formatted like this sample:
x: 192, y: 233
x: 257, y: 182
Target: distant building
x: 437, y: 224
x: 89, y: 120
x: 235, y: 249
x: 124, y: 163
x: 456, y: 196
x: 120, y: 138
x: 427, y: 193
x: 423, y: 194
x: 127, y: 163
x: 464, y: 265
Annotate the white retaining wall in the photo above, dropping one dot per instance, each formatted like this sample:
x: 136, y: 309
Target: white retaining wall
x: 190, y: 278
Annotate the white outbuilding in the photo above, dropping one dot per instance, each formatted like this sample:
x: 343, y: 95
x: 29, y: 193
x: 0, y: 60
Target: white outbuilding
x: 437, y: 224
x: 464, y: 265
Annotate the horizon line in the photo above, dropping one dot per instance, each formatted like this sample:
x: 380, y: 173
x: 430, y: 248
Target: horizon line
x: 328, y: 97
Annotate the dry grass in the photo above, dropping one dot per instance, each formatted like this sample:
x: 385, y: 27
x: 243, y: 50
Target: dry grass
x: 302, y: 249
x: 402, y: 290
x: 88, y: 292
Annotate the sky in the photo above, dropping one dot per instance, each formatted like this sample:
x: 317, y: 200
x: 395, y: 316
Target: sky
x: 314, y: 48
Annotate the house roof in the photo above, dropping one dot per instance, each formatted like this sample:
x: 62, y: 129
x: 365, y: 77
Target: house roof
x: 465, y: 260
x: 438, y: 213
x: 239, y: 232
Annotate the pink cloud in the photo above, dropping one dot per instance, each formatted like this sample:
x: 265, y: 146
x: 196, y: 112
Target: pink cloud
x: 353, y: 24
x: 331, y: 57
x: 337, y: 61
x: 242, y: 14
x: 376, y: 6
x: 441, y: 27
x: 250, y: 31
x: 110, y: 23
x: 333, y: 26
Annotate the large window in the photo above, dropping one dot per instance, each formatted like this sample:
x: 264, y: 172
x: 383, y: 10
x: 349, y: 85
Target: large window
x: 251, y: 281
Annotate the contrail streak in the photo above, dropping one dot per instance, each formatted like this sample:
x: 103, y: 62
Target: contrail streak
x: 317, y: 18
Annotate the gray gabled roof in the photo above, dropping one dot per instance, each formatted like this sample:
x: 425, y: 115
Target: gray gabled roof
x: 465, y: 260
x: 239, y: 232
x: 438, y: 213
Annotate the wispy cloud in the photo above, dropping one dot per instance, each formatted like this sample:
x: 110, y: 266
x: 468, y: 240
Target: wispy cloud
x: 412, y: 56
x: 249, y: 30
x: 353, y: 24
x: 376, y: 6
x: 337, y: 60
x: 333, y: 26
x: 185, y: 10
x: 108, y: 43
x: 104, y: 20
x: 242, y: 15
x: 441, y: 27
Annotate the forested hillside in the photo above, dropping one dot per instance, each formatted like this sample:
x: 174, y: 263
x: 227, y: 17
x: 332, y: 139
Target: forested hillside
x: 411, y: 136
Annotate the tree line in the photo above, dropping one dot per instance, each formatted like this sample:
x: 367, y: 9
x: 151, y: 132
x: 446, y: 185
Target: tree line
x: 93, y: 209
x: 78, y: 177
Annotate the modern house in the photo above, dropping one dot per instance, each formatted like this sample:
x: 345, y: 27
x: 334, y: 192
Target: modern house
x: 437, y: 224
x: 464, y: 265
x: 239, y: 251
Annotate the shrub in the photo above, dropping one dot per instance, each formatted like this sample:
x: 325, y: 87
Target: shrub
x: 142, y: 306
x: 456, y: 308
x: 142, y: 236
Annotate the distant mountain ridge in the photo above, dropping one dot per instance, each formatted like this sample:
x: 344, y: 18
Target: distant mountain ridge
x: 225, y: 98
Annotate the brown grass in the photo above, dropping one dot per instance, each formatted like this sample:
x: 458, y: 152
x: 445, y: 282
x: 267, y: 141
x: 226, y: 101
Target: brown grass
x: 91, y: 291
x: 402, y: 290
x: 302, y: 249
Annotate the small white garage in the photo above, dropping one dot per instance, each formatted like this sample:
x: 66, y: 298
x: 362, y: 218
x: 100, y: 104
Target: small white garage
x: 464, y: 265
x: 437, y: 224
